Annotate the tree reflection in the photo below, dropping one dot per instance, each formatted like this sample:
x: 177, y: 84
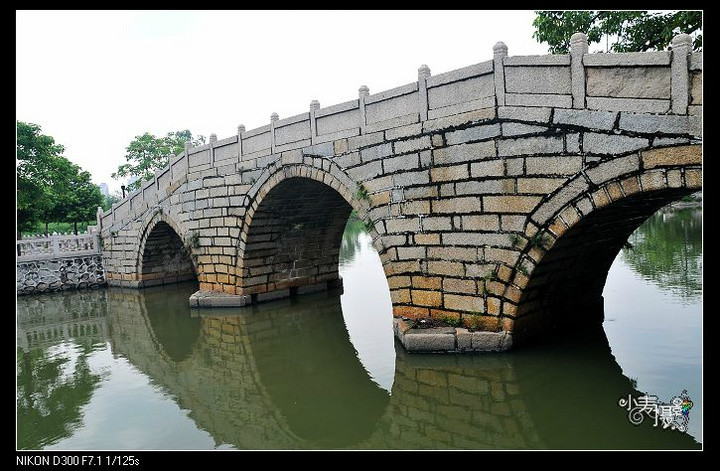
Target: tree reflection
x: 667, y: 250
x: 49, y: 397
x: 350, y: 244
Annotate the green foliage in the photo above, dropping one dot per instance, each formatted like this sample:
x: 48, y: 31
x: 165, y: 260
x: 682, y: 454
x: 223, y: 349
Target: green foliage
x: 514, y: 240
x: 147, y: 153
x: 50, y: 401
x: 110, y: 200
x: 193, y: 240
x: 667, y: 250
x: 522, y: 269
x: 473, y: 322
x: 451, y: 321
x: 362, y: 193
x: 50, y: 188
x: 539, y: 240
x: 629, y: 31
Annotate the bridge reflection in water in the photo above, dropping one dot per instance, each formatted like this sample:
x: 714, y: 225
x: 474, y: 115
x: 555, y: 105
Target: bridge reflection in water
x: 286, y: 376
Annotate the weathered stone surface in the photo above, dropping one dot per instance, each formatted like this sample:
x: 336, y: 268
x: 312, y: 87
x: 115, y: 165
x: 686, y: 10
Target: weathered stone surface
x: 604, y: 120
x: 516, y: 129
x: 628, y: 82
x: 605, y: 144
x: 613, y: 169
x: 476, y: 133
x: 521, y: 113
x: 654, y: 124
x: 531, y: 146
x: 537, y: 79
x: 464, y: 152
x: 683, y: 155
x: 569, y: 165
x: 428, y: 342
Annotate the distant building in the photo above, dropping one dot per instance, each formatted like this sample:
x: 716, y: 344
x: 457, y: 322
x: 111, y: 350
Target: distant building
x: 104, y: 189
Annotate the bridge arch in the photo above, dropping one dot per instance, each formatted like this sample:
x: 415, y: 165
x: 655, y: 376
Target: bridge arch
x: 164, y: 256
x: 564, y: 265
x: 291, y: 234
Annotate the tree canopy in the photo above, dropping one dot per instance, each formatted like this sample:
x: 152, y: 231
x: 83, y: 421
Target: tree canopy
x: 147, y: 153
x: 50, y: 188
x: 623, y: 31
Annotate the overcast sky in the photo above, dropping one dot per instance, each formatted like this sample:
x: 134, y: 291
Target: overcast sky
x: 94, y: 80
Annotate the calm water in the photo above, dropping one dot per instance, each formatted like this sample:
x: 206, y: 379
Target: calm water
x: 122, y: 369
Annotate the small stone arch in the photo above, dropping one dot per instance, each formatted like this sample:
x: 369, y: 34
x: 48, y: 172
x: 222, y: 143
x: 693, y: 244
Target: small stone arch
x: 164, y: 254
x: 326, y: 182
x: 574, y: 236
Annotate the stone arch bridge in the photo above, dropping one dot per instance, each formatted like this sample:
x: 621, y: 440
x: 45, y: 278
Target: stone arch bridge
x: 499, y: 193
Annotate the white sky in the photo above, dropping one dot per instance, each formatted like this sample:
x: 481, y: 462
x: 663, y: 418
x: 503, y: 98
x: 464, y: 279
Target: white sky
x: 94, y: 80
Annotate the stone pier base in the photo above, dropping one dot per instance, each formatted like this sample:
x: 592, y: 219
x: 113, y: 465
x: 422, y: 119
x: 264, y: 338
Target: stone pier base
x: 450, y: 339
x: 205, y: 298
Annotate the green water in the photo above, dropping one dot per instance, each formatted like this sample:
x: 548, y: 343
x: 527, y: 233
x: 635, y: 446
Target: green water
x: 117, y: 369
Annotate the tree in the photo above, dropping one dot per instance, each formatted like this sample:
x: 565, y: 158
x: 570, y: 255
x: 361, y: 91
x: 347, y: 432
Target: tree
x: 110, y: 200
x: 147, y: 153
x: 37, y: 159
x: 630, y: 31
x: 82, y: 200
x: 50, y: 188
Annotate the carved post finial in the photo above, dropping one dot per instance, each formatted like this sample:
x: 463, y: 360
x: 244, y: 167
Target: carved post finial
x: 274, y: 117
x: 188, y: 145
x: 314, y: 105
x: 423, y: 72
x: 213, y: 137
x: 241, y: 129
x: 579, y: 40
x: 500, y: 49
x: 680, y: 40
x: 364, y: 91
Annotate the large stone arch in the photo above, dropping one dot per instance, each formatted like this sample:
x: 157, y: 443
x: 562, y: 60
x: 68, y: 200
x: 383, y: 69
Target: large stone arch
x: 574, y: 236
x: 164, y: 255
x: 290, y: 235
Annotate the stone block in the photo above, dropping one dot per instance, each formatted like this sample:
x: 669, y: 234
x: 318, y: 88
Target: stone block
x: 668, y: 156
x: 376, y: 152
x: 475, y: 133
x: 464, y: 152
x: 510, y: 203
x: 465, y: 204
x: 427, y: 342
x: 613, y: 169
x: 521, y: 113
x: 534, y: 99
x: 638, y: 105
x: 482, y: 222
x: 410, y: 145
x: 404, y: 162
x: 603, y: 120
x: 365, y: 171
x: 453, y: 173
x: 531, y: 146
x: 475, y: 187
x: 460, y: 302
x: 518, y: 129
x: 488, y: 168
x: 605, y: 144
x: 652, y: 124
x: 407, y: 179
x: 632, y: 82
x: 538, y: 185
x: 568, y: 165
x: 426, y: 298
x: 538, y: 79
